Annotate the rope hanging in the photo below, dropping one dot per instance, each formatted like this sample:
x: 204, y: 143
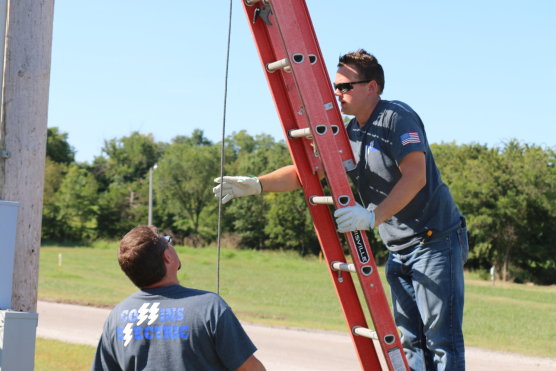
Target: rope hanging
x: 222, y: 151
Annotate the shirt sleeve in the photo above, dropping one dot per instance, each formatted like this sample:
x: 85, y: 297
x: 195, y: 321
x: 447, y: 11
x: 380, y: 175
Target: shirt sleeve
x: 233, y: 345
x: 407, y: 135
x: 104, y: 357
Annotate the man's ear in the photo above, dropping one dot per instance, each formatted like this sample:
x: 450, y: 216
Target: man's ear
x: 373, y: 87
x: 167, y: 256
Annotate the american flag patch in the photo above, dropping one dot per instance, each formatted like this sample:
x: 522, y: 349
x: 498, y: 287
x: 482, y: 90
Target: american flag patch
x: 408, y: 138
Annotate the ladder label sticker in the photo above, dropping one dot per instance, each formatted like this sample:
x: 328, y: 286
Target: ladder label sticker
x: 396, y: 359
x: 328, y: 106
x: 362, y: 252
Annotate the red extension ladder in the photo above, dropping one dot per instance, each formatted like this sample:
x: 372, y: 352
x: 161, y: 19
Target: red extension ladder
x: 317, y: 141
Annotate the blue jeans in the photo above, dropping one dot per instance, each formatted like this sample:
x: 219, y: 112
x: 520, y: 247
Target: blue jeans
x: 426, y: 281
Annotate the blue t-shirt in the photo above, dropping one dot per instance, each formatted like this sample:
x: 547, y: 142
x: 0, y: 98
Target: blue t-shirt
x: 393, y: 131
x: 172, y: 328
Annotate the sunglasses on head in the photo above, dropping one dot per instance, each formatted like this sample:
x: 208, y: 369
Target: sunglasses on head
x: 344, y: 87
x: 168, y: 239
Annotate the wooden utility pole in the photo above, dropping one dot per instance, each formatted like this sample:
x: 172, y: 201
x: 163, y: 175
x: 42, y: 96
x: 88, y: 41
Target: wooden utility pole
x: 23, y: 123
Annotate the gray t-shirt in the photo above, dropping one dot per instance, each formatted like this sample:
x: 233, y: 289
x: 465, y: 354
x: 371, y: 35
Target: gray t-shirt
x: 172, y: 328
x: 393, y: 131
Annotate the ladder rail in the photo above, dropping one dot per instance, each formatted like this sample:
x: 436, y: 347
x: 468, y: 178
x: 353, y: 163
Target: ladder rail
x: 314, y: 87
x: 279, y: 83
x: 305, y: 102
x: 343, y: 282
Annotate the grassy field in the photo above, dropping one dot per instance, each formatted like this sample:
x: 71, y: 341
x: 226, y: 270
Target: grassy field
x: 48, y: 356
x: 283, y: 289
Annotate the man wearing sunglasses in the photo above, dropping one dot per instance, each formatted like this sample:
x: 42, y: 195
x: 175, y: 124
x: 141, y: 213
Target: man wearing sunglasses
x: 403, y: 195
x: 165, y: 326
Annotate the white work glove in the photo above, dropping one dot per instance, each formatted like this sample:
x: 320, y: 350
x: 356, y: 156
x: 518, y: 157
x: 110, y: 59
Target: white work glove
x: 236, y: 186
x: 354, y: 218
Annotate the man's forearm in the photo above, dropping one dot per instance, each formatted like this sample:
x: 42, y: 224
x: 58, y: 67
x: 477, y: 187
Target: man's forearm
x: 413, y: 179
x: 401, y: 195
x: 281, y: 180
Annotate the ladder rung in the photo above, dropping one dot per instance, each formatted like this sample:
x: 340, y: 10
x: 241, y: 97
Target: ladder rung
x: 365, y: 332
x: 299, y: 133
x: 344, y: 267
x: 329, y: 200
x: 368, y: 333
x: 251, y: 2
x: 321, y: 200
x: 278, y: 65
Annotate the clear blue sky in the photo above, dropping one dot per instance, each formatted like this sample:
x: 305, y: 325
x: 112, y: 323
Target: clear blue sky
x: 475, y: 71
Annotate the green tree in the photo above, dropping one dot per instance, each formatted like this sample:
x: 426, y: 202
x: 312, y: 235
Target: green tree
x: 246, y: 216
x: 184, y: 183
x: 57, y: 147
x: 274, y: 221
x: 122, y: 178
x: 54, y: 173
x: 242, y: 142
x: 59, y: 154
x: 197, y: 138
x: 130, y: 158
x: 121, y: 207
x: 530, y: 197
x: 289, y: 224
x: 505, y: 195
x: 476, y: 179
x: 76, y: 206
x: 99, y: 169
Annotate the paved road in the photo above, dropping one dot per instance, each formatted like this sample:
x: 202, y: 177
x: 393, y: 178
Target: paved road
x: 279, y: 349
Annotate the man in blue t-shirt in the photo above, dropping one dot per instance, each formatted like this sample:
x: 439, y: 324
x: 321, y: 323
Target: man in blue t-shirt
x: 165, y: 326
x: 403, y: 195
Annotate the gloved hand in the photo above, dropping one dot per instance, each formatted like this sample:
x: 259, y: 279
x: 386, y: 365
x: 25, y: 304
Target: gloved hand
x: 236, y: 186
x: 354, y: 218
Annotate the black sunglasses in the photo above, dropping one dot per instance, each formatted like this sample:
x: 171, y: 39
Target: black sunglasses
x: 168, y: 240
x: 344, y: 87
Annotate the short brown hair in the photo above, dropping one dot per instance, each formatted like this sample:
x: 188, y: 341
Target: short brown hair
x: 367, y: 66
x: 140, y: 255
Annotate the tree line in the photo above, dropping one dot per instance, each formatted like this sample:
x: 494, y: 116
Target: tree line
x: 507, y: 194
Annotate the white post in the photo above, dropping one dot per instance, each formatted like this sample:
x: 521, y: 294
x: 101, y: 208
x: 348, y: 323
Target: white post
x: 492, y: 273
x: 150, y: 218
x: 23, y: 123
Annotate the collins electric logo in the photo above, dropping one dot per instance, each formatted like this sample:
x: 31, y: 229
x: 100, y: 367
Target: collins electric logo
x: 152, y: 323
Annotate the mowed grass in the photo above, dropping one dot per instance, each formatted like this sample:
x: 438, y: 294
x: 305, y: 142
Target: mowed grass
x: 56, y: 355
x: 272, y: 288
x: 511, y: 317
x: 284, y: 289
x: 82, y: 275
